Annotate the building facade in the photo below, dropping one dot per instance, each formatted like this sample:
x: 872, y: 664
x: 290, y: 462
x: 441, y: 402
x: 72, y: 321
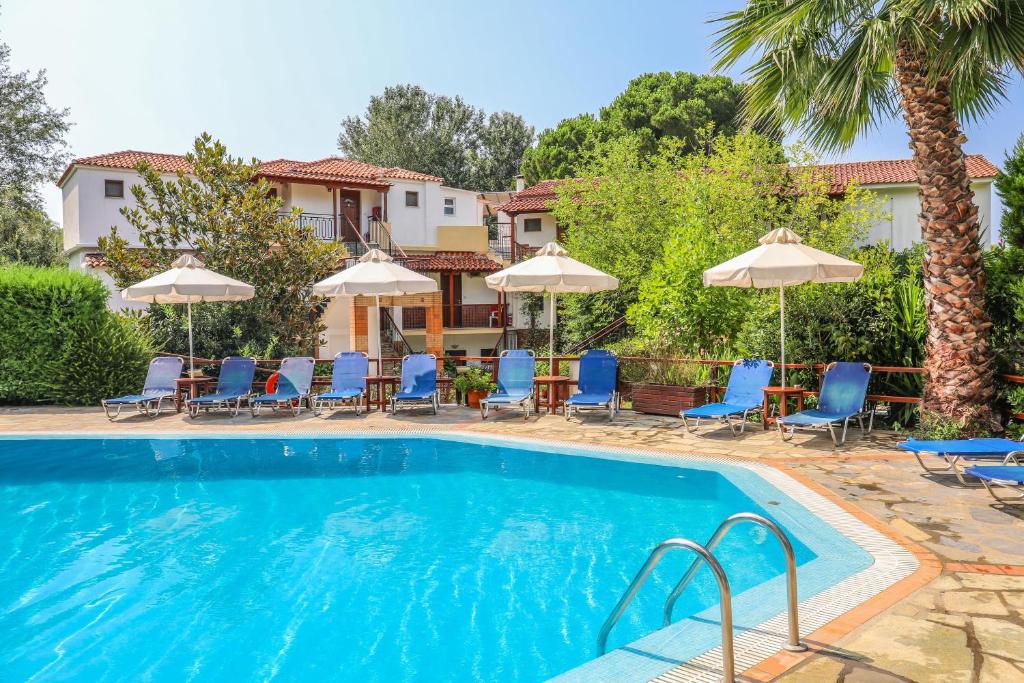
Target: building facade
x: 454, y: 236
x: 427, y: 226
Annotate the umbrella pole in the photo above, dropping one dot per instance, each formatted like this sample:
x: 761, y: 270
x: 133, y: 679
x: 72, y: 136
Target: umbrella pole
x: 380, y: 350
x: 782, y: 321
x: 551, y: 337
x: 191, y: 353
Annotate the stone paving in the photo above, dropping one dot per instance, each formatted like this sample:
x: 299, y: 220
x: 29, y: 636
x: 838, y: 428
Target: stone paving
x: 965, y: 624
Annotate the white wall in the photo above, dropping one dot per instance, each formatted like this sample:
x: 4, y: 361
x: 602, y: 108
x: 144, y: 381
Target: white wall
x: 902, y: 205
x: 476, y: 291
x: 548, y: 230
x: 338, y: 335
x: 88, y: 214
x: 417, y: 226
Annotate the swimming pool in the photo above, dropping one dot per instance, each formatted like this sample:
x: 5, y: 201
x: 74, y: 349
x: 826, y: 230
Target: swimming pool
x: 364, y: 558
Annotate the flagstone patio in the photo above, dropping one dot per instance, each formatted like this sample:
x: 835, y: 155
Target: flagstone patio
x: 960, y: 617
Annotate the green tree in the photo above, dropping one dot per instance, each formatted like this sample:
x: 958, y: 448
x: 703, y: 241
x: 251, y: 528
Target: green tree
x: 565, y: 150
x: 32, y: 151
x: 834, y: 68
x: 503, y: 140
x: 676, y: 109
x: 1010, y: 185
x: 728, y: 199
x: 27, y: 235
x: 32, y: 147
x: 225, y: 214
x: 658, y: 223
x: 408, y: 127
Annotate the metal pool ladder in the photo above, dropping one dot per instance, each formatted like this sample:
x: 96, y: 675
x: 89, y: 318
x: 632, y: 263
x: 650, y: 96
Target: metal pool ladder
x: 705, y: 554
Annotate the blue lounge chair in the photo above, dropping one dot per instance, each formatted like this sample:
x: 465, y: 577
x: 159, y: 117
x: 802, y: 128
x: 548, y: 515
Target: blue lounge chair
x: 292, y: 388
x: 743, y: 396
x: 956, y: 452
x: 161, y: 383
x: 234, y: 385
x: 348, y: 382
x: 419, y: 383
x: 841, y: 399
x: 599, y: 375
x: 1001, y: 476
x: 516, y: 369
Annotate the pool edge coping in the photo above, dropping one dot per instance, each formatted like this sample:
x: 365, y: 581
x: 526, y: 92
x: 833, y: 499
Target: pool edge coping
x: 705, y: 666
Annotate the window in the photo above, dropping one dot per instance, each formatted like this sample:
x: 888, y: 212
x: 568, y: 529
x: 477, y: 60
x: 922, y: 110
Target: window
x: 531, y: 225
x: 412, y: 199
x: 113, y: 188
x: 449, y: 206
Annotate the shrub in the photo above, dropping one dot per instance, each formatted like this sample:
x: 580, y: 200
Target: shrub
x: 40, y: 309
x: 104, y: 357
x: 60, y: 343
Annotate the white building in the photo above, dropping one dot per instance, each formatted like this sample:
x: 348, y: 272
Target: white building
x: 433, y: 228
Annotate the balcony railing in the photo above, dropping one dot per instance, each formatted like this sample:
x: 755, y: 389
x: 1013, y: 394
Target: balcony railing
x: 499, y: 241
x: 458, y: 316
x: 321, y: 223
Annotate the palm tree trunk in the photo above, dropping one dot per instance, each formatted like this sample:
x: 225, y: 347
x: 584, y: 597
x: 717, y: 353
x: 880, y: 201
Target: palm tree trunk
x: 959, y: 371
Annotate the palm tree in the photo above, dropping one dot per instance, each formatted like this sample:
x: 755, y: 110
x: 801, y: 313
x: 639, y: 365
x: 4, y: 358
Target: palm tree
x: 833, y: 68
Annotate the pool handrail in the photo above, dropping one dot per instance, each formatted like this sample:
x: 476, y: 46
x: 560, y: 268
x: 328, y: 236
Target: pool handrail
x: 793, y: 644
x: 728, y: 659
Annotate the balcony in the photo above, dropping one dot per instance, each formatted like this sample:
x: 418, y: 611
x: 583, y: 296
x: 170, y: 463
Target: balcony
x: 321, y: 223
x: 458, y: 316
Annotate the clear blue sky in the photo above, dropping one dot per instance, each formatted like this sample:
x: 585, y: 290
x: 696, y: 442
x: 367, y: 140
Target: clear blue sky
x: 274, y: 79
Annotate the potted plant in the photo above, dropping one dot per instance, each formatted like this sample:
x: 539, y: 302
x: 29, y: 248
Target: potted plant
x: 474, y: 384
x: 660, y: 387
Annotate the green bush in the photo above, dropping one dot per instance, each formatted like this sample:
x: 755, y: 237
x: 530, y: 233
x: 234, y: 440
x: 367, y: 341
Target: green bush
x: 39, y: 309
x: 60, y: 343
x: 105, y: 357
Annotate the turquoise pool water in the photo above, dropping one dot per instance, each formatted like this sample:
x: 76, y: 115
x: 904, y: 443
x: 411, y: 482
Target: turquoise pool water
x: 363, y: 559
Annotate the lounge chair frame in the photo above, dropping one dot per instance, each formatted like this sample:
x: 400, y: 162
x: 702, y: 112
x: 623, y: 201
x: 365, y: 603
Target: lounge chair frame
x: 319, y: 404
x: 149, y: 404
x: 433, y: 401
x: 833, y: 425
x: 232, y: 405
x: 526, y: 404
x: 292, y: 403
x: 957, y: 464
x: 612, y: 405
x: 728, y: 417
x: 992, y: 484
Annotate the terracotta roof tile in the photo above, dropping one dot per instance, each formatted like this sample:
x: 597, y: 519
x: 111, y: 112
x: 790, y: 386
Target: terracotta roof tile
x: 532, y: 199
x: 331, y: 169
x: 447, y: 261
x: 536, y: 199
x: 896, y: 172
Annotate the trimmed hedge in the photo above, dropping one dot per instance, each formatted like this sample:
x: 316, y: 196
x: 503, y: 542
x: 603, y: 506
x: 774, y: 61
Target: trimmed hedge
x: 60, y: 343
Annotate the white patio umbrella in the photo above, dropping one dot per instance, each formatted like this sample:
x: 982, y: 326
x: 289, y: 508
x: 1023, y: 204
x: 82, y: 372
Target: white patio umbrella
x: 186, y: 283
x: 782, y: 261
x: 375, y: 274
x: 551, y: 270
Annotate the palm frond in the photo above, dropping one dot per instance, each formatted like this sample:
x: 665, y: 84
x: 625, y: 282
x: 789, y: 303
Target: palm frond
x: 827, y: 66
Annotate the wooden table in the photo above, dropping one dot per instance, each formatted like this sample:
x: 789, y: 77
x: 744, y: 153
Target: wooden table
x: 380, y: 381
x: 783, y: 394
x: 554, y: 384
x: 190, y: 386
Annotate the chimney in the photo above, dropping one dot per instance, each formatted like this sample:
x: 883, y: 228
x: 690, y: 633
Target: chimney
x: 520, y: 183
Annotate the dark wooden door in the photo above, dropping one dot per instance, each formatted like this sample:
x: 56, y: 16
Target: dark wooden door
x: 349, y: 208
x: 451, y: 299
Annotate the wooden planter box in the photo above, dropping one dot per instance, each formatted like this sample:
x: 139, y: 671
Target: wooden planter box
x: 666, y: 399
